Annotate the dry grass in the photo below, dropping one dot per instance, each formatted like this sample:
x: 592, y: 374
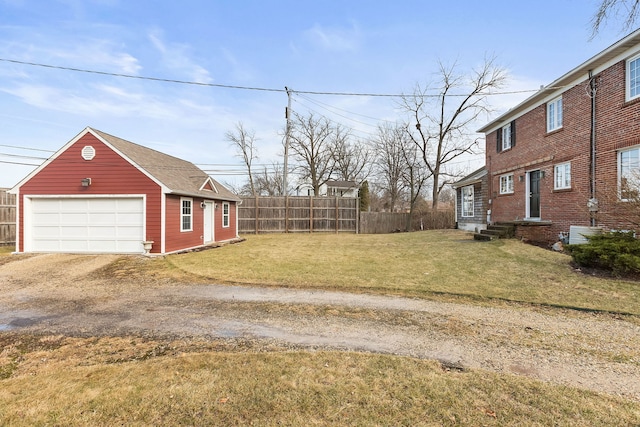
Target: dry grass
x: 134, y: 382
x: 433, y: 264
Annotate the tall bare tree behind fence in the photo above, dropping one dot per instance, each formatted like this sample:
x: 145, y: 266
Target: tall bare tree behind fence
x: 298, y: 214
x: 329, y: 214
x: 7, y: 217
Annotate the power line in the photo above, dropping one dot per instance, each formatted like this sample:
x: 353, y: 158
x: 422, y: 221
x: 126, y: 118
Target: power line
x: 307, y: 92
x: 27, y: 148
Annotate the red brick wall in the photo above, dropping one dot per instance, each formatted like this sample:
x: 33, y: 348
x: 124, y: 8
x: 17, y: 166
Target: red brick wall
x: 618, y: 126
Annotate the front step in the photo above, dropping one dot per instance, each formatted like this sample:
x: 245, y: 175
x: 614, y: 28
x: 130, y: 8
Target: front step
x: 495, y: 231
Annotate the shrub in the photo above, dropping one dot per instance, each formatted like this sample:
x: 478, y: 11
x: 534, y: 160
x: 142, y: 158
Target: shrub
x: 616, y: 251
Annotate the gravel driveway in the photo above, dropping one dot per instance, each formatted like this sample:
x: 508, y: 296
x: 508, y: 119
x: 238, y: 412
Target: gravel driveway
x: 67, y: 294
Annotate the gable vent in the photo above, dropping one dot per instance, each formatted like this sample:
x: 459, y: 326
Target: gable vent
x: 88, y: 152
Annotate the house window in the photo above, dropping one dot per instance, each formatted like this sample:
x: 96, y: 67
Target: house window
x: 225, y: 214
x: 554, y: 114
x: 506, y: 137
x: 506, y: 184
x: 467, y: 201
x: 629, y: 173
x: 633, y: 78
x: 562, y: 176
x: 186, y: 214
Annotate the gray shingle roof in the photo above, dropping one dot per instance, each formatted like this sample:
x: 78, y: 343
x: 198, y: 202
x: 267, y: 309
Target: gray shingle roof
x: 179, y: 176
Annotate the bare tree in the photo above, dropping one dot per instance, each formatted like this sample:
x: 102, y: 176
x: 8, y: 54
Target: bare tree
x: 311, y: 142
x: 352, y: 159
x: 244, y: 142
x: 269, y: 183
x: 389, y: 148
x: 440, y: 125
x: 626, y: 9
x: 414, y: 176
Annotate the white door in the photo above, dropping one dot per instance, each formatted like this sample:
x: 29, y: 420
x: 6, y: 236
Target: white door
x: 94, y: 225
x: 208, y: 223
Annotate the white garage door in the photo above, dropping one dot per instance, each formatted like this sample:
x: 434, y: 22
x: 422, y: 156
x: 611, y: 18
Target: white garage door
x: 112, y: 225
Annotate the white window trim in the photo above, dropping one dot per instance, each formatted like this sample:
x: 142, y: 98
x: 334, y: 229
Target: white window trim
x: 465, y: 212
x: 226, y: 218
x: 555, y: 122
x: 509, y: 189
x: 506, y: 142
x: 183, y: 215
x: 619, y: 158
x: 627, y: 78
x: 564, y: 185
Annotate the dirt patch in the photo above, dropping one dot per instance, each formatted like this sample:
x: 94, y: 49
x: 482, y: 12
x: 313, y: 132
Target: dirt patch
x: 120, y: 297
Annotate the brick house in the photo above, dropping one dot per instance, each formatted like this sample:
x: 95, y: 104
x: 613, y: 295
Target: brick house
x: 565, y: 156
x: 102, y: 194
x: 471, y: 199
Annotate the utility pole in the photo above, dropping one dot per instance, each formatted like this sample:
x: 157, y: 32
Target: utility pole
x: 286, y: 142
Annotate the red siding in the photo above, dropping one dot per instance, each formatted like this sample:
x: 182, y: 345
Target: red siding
x: 109, y: 173
x: 617, y: 127
x: 230, y: 232
x: 178, y: 240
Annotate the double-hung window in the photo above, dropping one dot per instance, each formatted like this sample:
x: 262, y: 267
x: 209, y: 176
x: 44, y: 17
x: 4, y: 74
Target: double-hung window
x: 186, y: 214
x: 633, y: 78
x: 225, y: 214
x: 506, y: 137
x: 506, y: 184
x: 554, y: 114
x: 562, y: 176
x: 629, y: 173
x: 467, y: 201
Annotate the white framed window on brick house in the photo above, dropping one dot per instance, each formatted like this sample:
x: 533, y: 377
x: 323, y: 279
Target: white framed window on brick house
x: 225, y: 214
x: 633, y: 78
x: 506, y: 137
x: 506, y: 184
x: 467, y: 201
x: 554, y: 114
x: 629, y: 173
x: 562, y: 176
x: 186, y: 214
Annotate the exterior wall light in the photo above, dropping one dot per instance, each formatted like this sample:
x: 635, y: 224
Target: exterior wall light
x: 85, y: 182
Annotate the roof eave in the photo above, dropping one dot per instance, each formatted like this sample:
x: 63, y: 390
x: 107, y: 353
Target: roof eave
x: 596, y: 61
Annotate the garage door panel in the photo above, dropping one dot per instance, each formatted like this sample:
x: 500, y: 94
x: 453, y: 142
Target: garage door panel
x: 87, y: 225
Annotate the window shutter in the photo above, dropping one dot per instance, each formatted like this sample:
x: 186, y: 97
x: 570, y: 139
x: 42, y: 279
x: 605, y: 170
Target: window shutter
x: 513, y: 134
x: 499, y: 140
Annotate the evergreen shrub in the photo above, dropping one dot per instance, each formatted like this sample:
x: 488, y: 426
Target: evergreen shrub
x: 616, y: 251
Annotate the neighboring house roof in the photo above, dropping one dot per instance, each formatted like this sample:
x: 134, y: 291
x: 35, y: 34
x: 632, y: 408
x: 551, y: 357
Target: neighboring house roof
x: 177, y: 176
x: 342, y: 184
x: 599, y: 62
x: 473, y: 178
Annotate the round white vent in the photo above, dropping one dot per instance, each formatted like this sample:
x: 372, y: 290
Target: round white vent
x: 88, y: 152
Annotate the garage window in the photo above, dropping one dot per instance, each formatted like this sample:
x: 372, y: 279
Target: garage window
x: 186, y: 214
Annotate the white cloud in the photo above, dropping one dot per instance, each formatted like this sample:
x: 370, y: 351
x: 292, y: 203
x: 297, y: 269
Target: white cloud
x: 176, y: 57
x: 334, y: 39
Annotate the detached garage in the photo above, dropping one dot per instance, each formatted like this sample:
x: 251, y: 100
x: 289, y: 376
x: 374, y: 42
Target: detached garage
x: 102, y: 194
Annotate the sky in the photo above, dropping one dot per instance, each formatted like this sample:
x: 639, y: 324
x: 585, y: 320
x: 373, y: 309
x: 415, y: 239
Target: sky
x: 244, y: 54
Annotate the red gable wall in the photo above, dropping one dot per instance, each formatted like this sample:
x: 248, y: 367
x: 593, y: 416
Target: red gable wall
x: 109, y: 173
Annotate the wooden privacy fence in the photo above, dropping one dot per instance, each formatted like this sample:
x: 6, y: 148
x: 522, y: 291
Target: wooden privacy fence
x: 329, y: 214
x: 7, y: 217
x: 298, y: 214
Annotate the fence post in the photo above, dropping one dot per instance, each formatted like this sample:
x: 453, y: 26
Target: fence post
x: 256, y: 213
x: 311, y: 214
x: 286, y: 214
x: 337, y: 217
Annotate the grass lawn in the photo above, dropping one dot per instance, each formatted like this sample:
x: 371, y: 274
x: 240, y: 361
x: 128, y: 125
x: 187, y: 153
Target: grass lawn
x: 432, y: 264
x: 134, y: 382
x: 130, y: 381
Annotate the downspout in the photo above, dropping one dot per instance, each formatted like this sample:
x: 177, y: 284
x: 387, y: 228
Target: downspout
x: 593, y: 201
